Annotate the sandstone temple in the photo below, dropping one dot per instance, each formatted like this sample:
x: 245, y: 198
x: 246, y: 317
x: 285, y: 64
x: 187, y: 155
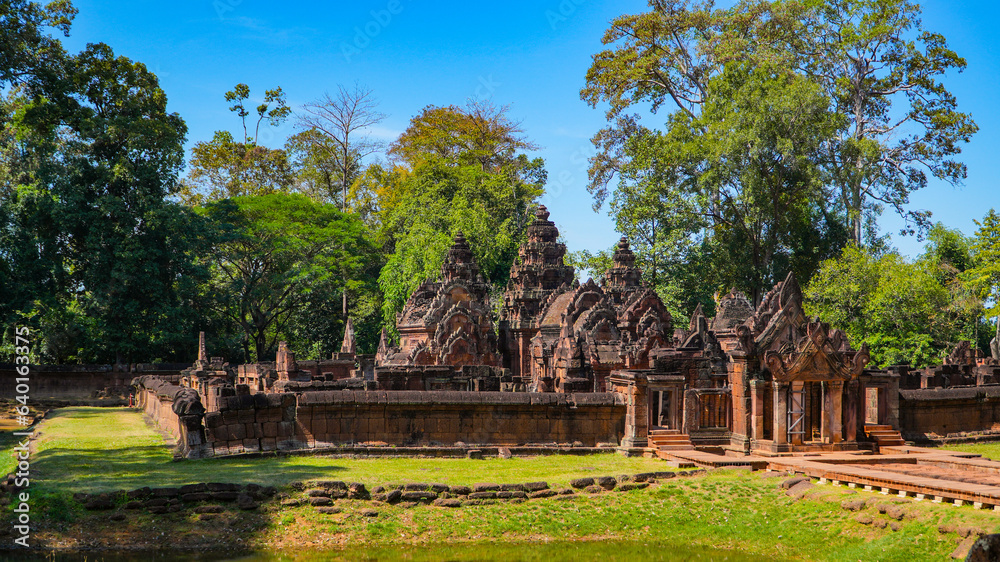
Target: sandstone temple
x: 557, y: 363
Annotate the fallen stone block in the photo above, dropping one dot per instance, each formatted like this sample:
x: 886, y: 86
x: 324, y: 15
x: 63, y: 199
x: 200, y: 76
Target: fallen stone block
x: 328, y: 510
x: 485, y: 487
x: 542, y: 494
x: 581, y: 483
x: 629, y: 486
x: 209, y: 509
x: 320, y: 501
x: 536, y: 486
x: 459, y: 490
x: 440, y: 502
x: 419, y: 496
x: 607, y: 482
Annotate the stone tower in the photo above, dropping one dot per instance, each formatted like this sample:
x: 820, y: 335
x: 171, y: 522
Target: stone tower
x: 538, y: 272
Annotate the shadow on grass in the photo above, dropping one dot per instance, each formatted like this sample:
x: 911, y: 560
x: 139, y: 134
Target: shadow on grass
x: 73, y: 470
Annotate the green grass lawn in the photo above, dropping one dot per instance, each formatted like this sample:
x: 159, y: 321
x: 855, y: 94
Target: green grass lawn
x: 987, y: 450
x: 95, y: 449
x: 102, y: 449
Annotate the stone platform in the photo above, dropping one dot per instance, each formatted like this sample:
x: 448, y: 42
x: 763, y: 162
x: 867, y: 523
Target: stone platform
x: 932, y: 474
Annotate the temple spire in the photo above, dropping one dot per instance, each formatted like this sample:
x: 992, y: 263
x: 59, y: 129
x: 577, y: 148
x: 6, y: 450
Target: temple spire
x: 349, y: 345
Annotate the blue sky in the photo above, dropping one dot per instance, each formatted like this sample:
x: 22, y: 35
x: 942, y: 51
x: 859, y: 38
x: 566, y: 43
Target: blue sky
x: 531, y: 55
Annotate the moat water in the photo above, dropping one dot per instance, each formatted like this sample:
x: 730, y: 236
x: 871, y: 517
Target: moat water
x: 547, y: 552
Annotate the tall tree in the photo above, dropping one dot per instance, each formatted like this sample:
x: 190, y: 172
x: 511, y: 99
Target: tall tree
x: 225, y: 167
x: 280, y: 255
x: 97, y: 154
x: 740, y: 154
x: 337, y: 130
x: 884, y: 71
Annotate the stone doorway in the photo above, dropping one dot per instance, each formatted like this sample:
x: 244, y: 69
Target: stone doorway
x: 796, y: 414
x: 663, y: 409
x: 872, y: 409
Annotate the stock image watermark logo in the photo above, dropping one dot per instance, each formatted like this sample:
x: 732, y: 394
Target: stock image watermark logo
x: 364, y: 35
x: 223, y: 7
x: 567, y: 178
x: 485, y: 87
x: 22, y: 388
x: 562, y: 12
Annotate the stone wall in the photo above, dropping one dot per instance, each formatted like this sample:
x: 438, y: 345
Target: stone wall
x: 175, y: 409
x: 944, y: 411
x: 286, y: 421
x: 67, y: 382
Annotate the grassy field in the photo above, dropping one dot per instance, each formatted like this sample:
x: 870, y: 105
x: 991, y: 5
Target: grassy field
x: 90, y: 449
x: 988, y: 450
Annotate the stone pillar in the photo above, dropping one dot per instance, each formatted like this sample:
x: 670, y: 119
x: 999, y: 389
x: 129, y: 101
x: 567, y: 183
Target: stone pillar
x: 637, y: 414
x: 836, y: 391
x: 780, y: 396
x: 826, y: 422
x: 692, y: 411
x: 757, y: 405
x: 202, y: 350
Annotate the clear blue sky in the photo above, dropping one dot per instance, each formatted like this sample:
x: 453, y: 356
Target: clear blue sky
x: 532, y: 55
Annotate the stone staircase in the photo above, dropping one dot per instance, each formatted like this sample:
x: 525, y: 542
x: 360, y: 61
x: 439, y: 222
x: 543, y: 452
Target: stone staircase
x: 669, y: 440
x: 884, y: 435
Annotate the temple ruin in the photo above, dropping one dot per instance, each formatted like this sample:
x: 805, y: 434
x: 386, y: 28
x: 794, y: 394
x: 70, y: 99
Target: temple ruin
x: 592, y: 365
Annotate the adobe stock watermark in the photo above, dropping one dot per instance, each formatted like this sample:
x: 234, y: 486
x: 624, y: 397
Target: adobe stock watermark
x: 562, y: 12
x: 364, y: 35
x: 223, y: 7
x: 579, y: 160
x: 485, y: 87
x: 22, y: 507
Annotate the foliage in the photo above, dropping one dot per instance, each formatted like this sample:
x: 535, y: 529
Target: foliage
x: 883, y: 70
x: 984, y: 276
x: 27, y: 53
x: 96, y: 254
x: 225, y: 167
x: 735, y: 174
x: 279, y: 256
x: 480, y: 133
x: 903, y: 310
x: 783, y: 136
x: 455, y: 179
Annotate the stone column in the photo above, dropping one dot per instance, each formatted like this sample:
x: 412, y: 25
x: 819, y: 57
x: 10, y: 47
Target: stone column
x: 636, y: 414
x: 692, y: 411
x: 780, y: 396
x: 757, y: 406
x: 836, y: 391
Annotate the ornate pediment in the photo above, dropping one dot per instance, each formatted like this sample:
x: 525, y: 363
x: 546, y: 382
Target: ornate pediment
x: 817, y: 357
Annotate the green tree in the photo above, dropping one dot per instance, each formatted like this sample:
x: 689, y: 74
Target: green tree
x: 734, y: 176
x: 983, y: 277
x: 107, y: 261
x: 460, y: 172
x: 279, y: 260
x: 883, y: 71
x: 28, y: 54
x: 901, y: 309
x: 225, y: 167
